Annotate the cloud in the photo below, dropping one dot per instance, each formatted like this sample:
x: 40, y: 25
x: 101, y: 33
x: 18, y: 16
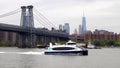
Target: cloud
x: 99, y: 13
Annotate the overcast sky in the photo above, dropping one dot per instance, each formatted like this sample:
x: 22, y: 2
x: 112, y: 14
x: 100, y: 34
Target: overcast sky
x: 100, y: 14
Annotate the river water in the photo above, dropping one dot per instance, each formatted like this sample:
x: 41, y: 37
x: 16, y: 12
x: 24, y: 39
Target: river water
x: 12, y: 57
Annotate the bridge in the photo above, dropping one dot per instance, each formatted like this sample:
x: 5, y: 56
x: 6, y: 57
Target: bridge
x: 28, y: 35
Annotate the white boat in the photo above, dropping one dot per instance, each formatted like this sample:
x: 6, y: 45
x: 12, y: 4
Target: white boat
x: 90, y: 46
x: 69, y: 48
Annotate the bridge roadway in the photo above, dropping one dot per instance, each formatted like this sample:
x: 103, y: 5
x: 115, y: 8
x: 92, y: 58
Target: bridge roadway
x: 37, y: 31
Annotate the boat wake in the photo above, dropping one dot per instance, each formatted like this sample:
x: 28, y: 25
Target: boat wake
x: 26, y: 53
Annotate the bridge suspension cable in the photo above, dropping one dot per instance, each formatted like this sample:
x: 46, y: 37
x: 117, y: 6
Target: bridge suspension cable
x: 40, y: 20
x: 44, y: 18
x: 10, y: 13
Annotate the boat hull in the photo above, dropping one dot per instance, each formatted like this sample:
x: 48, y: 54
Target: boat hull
x: 84, y: 52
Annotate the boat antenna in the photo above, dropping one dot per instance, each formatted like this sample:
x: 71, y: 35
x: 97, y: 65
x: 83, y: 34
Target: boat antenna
x: 50, y: 44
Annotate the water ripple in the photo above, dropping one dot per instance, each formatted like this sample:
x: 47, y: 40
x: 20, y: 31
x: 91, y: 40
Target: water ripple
x: 27, y: 53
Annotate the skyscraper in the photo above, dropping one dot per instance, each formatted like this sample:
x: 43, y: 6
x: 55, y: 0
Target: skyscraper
x: 83, y: 24
x: 60, y: 27
x: 80, y: 29
x: 66, y: 28
x: 75, y: 31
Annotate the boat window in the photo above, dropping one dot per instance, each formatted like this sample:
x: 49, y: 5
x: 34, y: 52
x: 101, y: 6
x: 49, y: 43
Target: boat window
x: 71, y: 43
x: 63, y: 48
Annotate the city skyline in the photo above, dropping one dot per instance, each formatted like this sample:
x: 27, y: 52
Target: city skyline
x: 100, y: 14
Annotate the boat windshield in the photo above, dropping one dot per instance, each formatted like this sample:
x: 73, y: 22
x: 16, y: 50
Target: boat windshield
x: 71, y: 43
x: 63, y: 48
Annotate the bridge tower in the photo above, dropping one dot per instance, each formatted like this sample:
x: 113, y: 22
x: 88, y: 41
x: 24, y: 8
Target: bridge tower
x: 23, y: 16
x: 27, y: 21
x: 30, y: 16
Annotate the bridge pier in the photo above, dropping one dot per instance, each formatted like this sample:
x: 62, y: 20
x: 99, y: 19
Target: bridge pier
x: 22, y: 40
x: 26, y: 40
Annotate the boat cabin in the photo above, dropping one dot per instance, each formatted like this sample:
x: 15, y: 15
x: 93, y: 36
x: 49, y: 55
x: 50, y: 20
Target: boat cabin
x: 63, y: 48
x: 70, y: 43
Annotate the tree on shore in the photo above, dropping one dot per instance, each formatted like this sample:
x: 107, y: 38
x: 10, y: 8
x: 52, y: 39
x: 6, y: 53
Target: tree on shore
x: 106, y: 43
x: 6, y: 43
x: 96, y: 43
x: 117, y: 43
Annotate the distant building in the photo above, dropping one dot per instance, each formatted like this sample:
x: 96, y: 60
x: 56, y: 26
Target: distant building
x: 66, y: 27
x: 99, y: 35
x: 80, y: 30
x: 83, y: 24
x: 75, y: 31
x: 60, y: 27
